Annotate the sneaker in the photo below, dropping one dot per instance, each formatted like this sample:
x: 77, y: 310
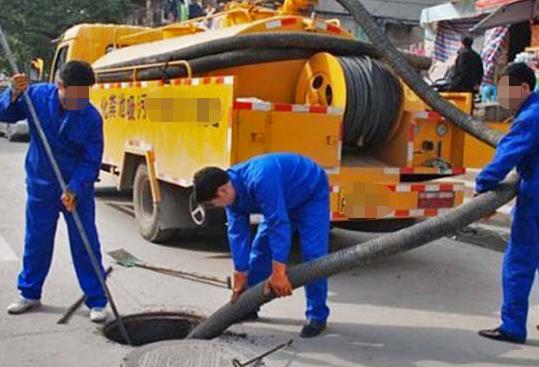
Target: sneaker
x: 98, y: 314
x: 22, y: 305
x: 312, y: 328
x: 499, y: 335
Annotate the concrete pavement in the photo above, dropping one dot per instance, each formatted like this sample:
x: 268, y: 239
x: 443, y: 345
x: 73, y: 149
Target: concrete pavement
x: 422, y: 308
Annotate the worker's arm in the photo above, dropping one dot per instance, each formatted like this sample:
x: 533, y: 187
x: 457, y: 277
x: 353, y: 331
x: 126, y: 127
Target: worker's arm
x: 12, y: 107
x: 239, y: 238
x: 516, y: 145
x: 87, y: 170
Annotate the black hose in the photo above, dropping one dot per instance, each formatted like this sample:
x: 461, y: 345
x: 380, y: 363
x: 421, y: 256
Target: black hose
x: 211, y: 63
x: 400, y: 65
x: 364, y: 253
x: 393, y: 243
x: 269, y: 40
x: 373, y: 101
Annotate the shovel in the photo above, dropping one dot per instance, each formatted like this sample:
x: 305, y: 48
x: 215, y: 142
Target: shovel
x: 128, y: 260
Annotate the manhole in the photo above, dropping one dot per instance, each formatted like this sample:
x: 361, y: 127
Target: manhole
x: 150, y: 327
x: 188, y: 353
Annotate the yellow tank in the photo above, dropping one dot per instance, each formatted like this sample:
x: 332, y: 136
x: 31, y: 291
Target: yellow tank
x: 160, y: 130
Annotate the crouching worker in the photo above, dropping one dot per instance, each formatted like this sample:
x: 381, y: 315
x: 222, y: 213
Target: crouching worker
x: 74, y: 130
x: 519, y: 148
x: 292, y: 193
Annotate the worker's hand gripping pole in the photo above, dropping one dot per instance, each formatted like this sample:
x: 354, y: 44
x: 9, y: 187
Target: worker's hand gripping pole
x: 93, y: 259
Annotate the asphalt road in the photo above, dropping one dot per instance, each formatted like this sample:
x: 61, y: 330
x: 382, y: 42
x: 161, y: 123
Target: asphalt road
x: 422, y: 308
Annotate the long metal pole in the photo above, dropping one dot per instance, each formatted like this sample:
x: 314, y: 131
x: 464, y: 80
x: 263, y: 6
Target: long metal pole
x: 93, y: 259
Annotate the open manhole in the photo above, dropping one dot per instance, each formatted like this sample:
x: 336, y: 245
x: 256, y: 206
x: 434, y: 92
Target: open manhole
x: 150, y: 327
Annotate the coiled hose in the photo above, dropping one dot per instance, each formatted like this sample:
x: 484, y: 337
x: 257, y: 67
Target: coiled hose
x: 242, y: 50
x: 373, y: 101
x: 394, y: 243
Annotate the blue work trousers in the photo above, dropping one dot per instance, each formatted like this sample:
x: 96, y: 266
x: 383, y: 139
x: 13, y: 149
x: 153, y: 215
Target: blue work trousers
x: 41, y: 221
x: 311, y: 220
x: 521, y: 261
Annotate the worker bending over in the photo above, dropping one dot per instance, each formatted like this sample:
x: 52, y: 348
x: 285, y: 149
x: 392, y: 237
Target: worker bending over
x: 520, y: 149
x: 292, y: 193
x: 74, y: 130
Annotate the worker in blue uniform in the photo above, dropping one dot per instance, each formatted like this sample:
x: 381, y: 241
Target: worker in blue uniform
x: 520, y: 149
x: 292, y: 194
x: 74, y: 130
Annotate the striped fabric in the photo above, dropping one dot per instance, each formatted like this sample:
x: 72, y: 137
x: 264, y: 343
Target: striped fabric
x: 496, y: 39
x: 448, y: 35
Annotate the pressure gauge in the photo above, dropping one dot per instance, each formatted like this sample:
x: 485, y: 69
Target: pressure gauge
x: 441, y: 129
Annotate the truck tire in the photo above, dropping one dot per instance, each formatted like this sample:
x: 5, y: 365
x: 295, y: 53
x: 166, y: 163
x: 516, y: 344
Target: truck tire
x: 146, y: 211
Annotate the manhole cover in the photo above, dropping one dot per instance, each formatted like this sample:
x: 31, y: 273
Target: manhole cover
x: 188, y: 353
x: 150, y: 327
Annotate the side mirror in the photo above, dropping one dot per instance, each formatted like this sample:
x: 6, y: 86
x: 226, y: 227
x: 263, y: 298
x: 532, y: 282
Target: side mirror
x: 36, y: 69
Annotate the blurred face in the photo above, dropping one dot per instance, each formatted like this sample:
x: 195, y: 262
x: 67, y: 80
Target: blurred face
x: 511, y: 97
x: 74, y: 97
x: 226, y: 195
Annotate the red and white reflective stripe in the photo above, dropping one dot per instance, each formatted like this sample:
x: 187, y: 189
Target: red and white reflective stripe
x: 139, y: 145
x: 286, y: 107
x: 412, y: 213
x: 278, y: 23
x: 428, y: 115
x: 429, y: 170
x: 252, y: 106
x: 410, y: 145
x: 423, y: 170
x: 328, y: 27
x: 174, y: 180
x: 426, y: 187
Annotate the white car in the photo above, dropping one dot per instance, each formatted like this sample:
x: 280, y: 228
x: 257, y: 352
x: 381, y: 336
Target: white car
x: 16, y: 131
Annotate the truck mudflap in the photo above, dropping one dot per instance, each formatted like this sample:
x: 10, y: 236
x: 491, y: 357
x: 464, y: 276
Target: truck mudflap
x: 372, y: 200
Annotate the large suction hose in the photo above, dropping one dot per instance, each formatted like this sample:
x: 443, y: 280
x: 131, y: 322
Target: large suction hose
x: 277, y: 40
x: 394, y: 243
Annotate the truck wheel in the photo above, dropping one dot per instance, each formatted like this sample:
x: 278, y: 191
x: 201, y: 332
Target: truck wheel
x: 146, y: 211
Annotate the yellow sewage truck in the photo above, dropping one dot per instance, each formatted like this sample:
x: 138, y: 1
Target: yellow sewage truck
x: 248, y: 81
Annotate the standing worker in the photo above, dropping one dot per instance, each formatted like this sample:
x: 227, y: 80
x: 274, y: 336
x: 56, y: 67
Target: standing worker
x: 520, y: 149
x: 467, y: 73
x: 74, y: 129
x: 292, y: 193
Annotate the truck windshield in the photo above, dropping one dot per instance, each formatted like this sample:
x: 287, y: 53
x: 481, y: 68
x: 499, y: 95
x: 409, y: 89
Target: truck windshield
x: 59, y: 61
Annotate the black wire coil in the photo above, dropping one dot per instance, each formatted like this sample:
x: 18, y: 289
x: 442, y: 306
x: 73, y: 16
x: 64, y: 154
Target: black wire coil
x: 374, y: 99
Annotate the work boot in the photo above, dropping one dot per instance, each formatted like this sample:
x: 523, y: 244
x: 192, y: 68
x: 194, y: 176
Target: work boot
x: 498, y: 335
x: 98, y: 314
x: 312, y: 328
x: 22, y: 305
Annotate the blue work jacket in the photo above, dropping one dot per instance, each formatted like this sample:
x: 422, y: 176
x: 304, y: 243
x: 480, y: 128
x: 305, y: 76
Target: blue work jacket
x: 518, y: 148
x: 75, y: 136
x: 273, y: 185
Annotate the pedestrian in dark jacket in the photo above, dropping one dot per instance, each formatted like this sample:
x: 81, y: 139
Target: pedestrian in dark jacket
x: 467, y: 73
